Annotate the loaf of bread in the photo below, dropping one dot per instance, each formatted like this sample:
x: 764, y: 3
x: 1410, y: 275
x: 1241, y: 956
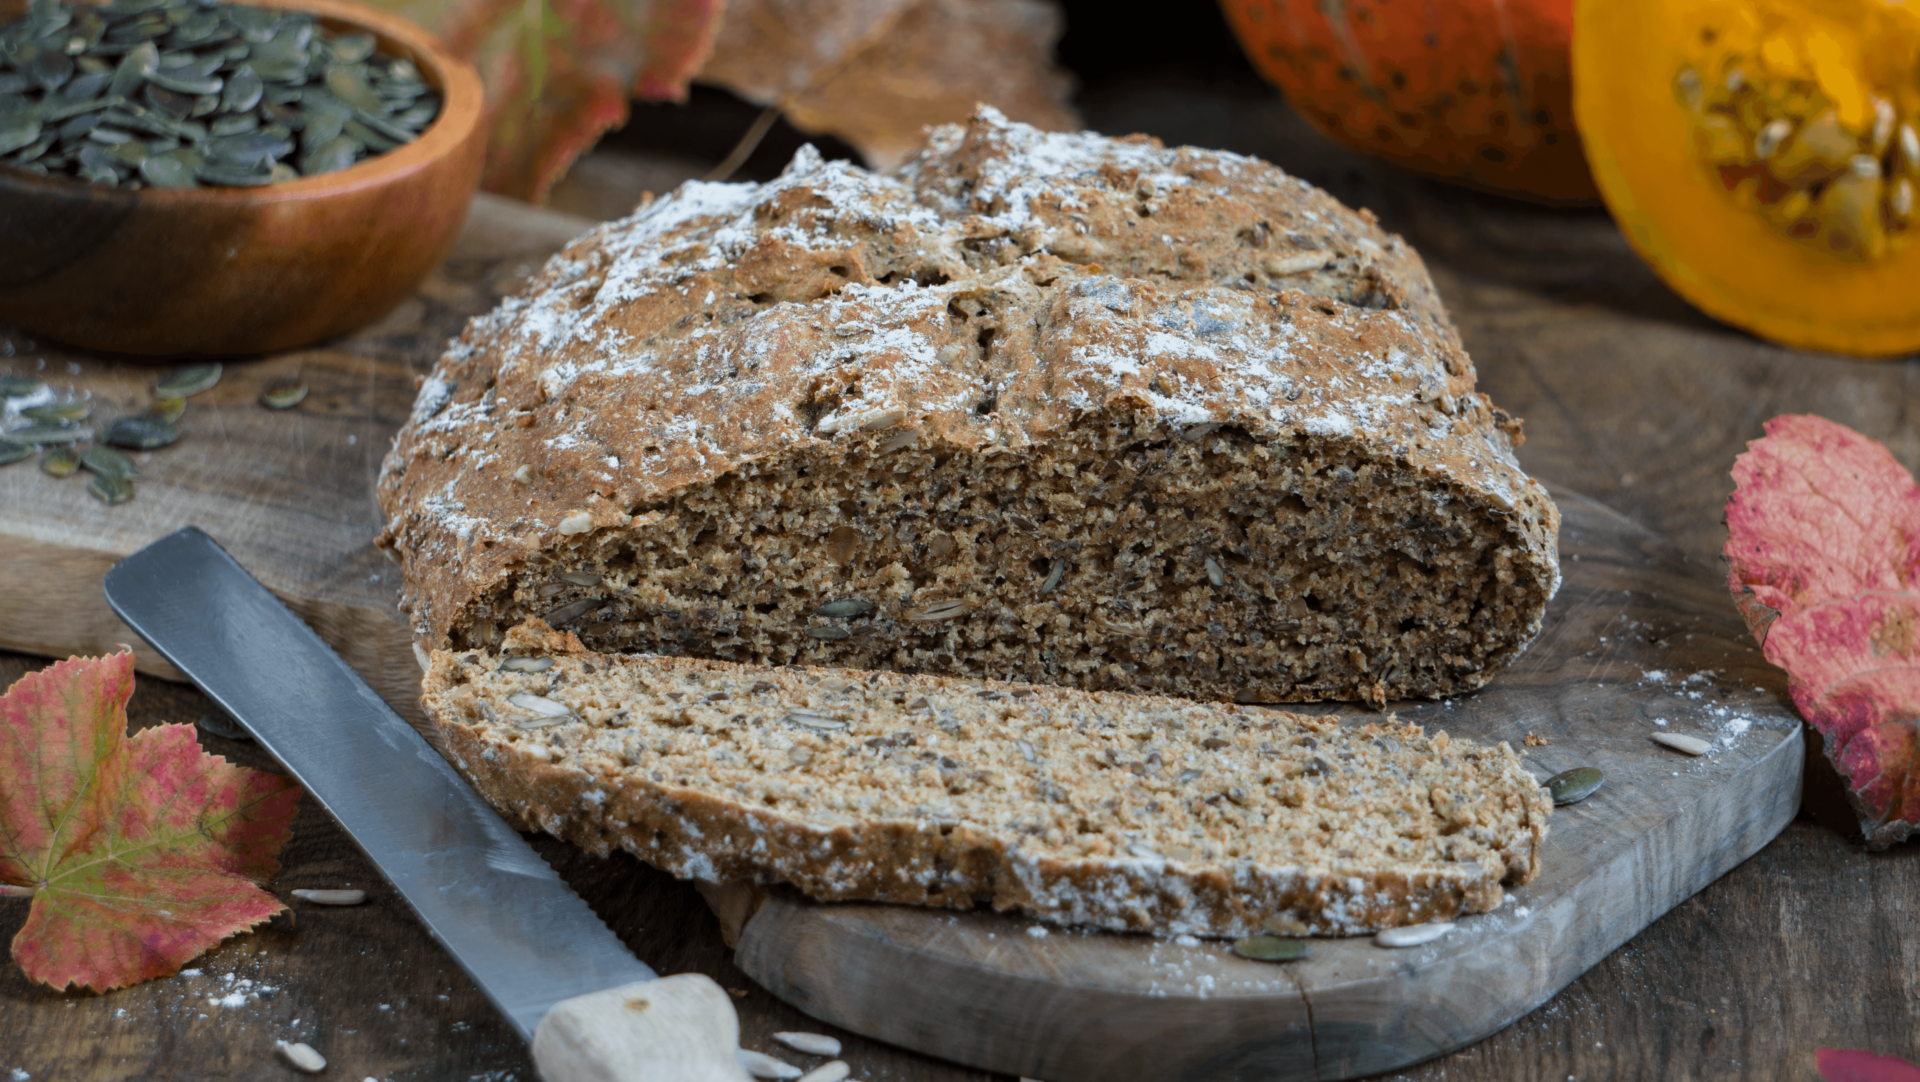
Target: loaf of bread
x: 1121, y: 811
x: 1039, y: 407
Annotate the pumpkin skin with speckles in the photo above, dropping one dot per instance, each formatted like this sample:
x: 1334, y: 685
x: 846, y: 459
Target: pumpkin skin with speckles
x: 1473, y: 91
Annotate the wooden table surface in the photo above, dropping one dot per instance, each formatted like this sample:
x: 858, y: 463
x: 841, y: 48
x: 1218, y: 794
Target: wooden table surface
x: 1629, y: 396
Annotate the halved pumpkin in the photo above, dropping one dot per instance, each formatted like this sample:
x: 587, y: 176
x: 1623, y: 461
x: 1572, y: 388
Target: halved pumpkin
x: 1474, y: 91
x: 1763, y: 156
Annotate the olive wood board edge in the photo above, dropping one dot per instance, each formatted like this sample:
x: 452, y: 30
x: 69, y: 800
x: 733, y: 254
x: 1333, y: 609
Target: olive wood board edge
x: 1634, y: 635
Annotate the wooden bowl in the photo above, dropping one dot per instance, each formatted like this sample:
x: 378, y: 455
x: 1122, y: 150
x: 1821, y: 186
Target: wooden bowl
x: 221, y: 271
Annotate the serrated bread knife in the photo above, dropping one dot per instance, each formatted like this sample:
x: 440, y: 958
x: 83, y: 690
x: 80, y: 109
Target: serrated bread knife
x: 593, y: 1012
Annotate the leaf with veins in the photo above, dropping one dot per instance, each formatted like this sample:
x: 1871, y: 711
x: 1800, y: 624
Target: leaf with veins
x: 139, y: 853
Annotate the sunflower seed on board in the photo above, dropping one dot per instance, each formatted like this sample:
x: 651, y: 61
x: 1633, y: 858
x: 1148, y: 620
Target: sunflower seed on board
x: 141, y: 433
x: 830, y: 1071
x: 761, y: 1065
x: 188, y: 381
x: 48, y: 433
x: 1690, y: 745
x: 813, y: 1044
x: 331, y: 897
x: 1573, y: 786
x: 12, y: 451
x: 302, y: 1056
x: 526, y: 664
x: 110, y: 490
x: 811, y: 719
x: 1271, y: 948
x: 60, y: 461
x: 539, y: 705
x: 1412, y: 935
x: 283, y: 396
x: 1214, y: 574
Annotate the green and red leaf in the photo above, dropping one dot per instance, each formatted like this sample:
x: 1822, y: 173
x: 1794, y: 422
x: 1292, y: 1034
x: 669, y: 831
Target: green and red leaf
x: 1823, y: 551
x: 558, y: 73
x: 139, y: 853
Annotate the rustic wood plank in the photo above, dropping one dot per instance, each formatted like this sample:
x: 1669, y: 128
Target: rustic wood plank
x: 1634, y: 644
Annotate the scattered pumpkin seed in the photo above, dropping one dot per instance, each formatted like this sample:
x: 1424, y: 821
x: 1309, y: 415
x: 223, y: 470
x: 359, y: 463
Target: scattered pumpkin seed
x: 1573, y: 786
x: 50, y: 433
x: 331, y: 897
x: 141, y: 433
x: 284, y: 396
x: 169, y: 410
x: 108, y: 462
x: 12, y: 451
x: 1271, y: 948
x: 20, y: 386
x: 526, y: 664
x: 59, y: 412
x: 60, y: 461
x: 1690, y: 745
x: 828, y: 633
x: 188, y: 381
x: 847, y: 608
x: 110, y: 490
x: 1412, y: 935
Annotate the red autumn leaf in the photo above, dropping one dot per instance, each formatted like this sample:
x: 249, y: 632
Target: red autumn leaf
x: 139, y: 853
x: 1847, y: 1065
x: 1823, y: 548
x: 558, y: 73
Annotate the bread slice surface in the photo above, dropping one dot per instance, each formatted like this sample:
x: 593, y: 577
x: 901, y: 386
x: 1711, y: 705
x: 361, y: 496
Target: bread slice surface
x: 1119, y: 811
x: 1075, y: 410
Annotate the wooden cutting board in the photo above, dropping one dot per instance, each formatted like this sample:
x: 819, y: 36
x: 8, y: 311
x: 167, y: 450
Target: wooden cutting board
x: 1635, y: 638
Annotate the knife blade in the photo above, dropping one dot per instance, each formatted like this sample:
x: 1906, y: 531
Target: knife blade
x: 562, y: 979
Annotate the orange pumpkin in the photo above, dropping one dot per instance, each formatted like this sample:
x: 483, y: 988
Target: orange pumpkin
x: 1475, y: 91
x: 1764, y: 157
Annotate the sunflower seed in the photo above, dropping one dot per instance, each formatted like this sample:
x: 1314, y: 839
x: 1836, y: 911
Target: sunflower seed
x: 1412, y: 935
x: 60, y: 461
x: 46, y: 433
x: 302, y: 1056
x: 141, y: 433
x: 761, y: 1065
x: 12, y: 451
x: 108, y: 462
x: 830, y: 1071
x: 1691, y: 745
x: 1198, y: 432
x: 283, y: 396
x: 896, y: 441
x: 828, y: 633
x: 1573, y: 786
x: 110, y: 490
x: 1054, y: 574
x: 58, y: 412
x: 20, y: 386
x: 568, y: 613
x: 939, y: 610
x: 847, y: 608
x: 813, y: 1044
x: 169, y: 410
x: 814, y: 720
x: 1214, y: 574
x: 331, y: 897
x: 551, y: 589
x: 188, y: 381
x: 1271, y: 948
x: 526, y: 664
x: 539, y: 704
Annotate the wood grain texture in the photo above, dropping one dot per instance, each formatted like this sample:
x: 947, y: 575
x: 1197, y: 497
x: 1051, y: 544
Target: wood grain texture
x: 1634, y: 644
x: 247, y: 270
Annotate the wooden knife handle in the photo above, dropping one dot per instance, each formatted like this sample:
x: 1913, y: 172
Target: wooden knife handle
x: 676, y: 1029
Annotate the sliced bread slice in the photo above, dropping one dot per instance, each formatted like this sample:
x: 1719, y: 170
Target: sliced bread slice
x: 1121, y: 811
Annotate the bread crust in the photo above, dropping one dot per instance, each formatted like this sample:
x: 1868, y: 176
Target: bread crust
x: 563, y: 779
x: 731, y: 330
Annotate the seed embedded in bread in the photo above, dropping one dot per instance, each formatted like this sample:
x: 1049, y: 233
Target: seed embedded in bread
x: 1121, y: 811
x: 1071, y: 409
